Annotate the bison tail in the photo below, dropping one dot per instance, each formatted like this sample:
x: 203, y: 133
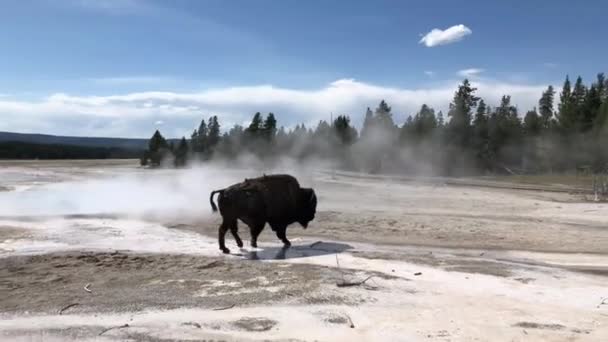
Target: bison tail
x: 213, y: 206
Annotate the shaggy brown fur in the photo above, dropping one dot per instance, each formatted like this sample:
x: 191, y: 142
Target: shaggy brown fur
x: 274, y: 199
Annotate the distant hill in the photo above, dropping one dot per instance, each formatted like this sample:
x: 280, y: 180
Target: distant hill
x: 44, y: 139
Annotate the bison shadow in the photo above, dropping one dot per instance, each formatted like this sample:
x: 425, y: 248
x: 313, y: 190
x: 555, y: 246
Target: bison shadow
x: 293, y: 252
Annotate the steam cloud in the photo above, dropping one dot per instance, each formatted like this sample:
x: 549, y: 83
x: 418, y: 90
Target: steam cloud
x: 145, y: 194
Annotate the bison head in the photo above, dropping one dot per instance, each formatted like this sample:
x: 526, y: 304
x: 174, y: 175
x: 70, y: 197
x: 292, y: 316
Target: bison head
x: 308, y: 208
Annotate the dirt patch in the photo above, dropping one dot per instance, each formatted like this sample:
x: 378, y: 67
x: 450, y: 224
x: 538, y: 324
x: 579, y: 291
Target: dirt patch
x: 460, y: 264
x: 482, y: 267
x: 192, y: 324
x: 324, y: 299
x: 78, y: 333
x: 12, y: 233
x: 601, y: 271
x: 581, y: 331
x: 337, y: 320
x: 257, y: 324
x: 334, y: 318
x: 420, y: 227
x: 533, y: 325
x: 525, y: 280
x: 459, y: 230
x: 122, y: 282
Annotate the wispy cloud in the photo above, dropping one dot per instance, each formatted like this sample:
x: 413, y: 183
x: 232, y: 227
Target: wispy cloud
x: 137, y: 114
x: 159, y: 122
x: 550, y: 65
x: 429, y: 73
x: 450, y: 35
x: 471, y: 72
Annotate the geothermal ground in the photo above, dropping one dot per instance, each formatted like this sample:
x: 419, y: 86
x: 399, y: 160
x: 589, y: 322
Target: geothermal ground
x: 103, y: 251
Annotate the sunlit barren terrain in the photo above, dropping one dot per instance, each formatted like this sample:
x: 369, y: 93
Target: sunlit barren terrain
x: 87, y: 246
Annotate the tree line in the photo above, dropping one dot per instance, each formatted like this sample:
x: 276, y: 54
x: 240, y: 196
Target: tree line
x: 27, y: 150
x: 566, y: 131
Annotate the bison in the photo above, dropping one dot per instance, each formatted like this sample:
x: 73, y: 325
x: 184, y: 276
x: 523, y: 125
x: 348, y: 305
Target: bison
x: 274, y: 199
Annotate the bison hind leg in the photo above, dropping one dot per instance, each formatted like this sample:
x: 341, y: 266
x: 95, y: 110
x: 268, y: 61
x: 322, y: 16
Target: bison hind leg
x: 234, y: 230
x: 221, y: 237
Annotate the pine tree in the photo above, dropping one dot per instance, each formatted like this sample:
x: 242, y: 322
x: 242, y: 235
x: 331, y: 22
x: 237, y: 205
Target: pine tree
x: 440, y: 120
x: 282, y: 141
x: 157, y: 148
x: 545, y: 107
x: 202, y: 136
x: 481, y: 118
x: 213, y: 136
x: 505, y: 134
x: 532, y: 127
x: 566, y: 109
x: 592, y: 103
x: 254, y: 134
x: 424, y: 122
x: 344, y: 131
x: 480, y: 136
x: 194, y: 141
x: 407, y: 132
x: 368, y: 123
x: 459, y: 127
x: 600, y: 130
x: 602, y: 86
x: 183, y: 145
x: 322, y: 131
x: 256, y: 126
x: 181, y: 153
x: 383, y: 118
x: 269, y: 127
x: 601, y: 121
x: 579, y: 94
x: 281, y: 134
x: 157, y: 142
x: 532, y: 123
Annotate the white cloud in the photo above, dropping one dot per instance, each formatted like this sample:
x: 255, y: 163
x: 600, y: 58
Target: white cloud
x: 429, y: 73
x: 159, y: 122
x: 550, y: 65
x: 442, y: 37
x: 135, y: 114
x: 471, y: 72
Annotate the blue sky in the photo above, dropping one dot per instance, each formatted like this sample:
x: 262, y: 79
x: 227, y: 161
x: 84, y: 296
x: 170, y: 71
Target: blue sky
x: 125, y: 67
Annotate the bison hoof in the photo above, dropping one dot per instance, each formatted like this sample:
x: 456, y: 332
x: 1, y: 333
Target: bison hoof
x: 225, y: 250
x: 287, y: 245
x: 239, y: 244
x: 254, y: 244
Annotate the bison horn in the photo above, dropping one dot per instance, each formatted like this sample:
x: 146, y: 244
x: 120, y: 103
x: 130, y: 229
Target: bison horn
x: 313, y: 197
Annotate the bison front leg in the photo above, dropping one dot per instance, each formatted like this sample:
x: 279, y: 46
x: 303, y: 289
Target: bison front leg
x: 221, y: 237
x: 282, y: 236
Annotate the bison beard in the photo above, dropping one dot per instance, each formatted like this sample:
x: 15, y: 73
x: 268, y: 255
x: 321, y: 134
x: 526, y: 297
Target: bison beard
x: 274, y: 199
